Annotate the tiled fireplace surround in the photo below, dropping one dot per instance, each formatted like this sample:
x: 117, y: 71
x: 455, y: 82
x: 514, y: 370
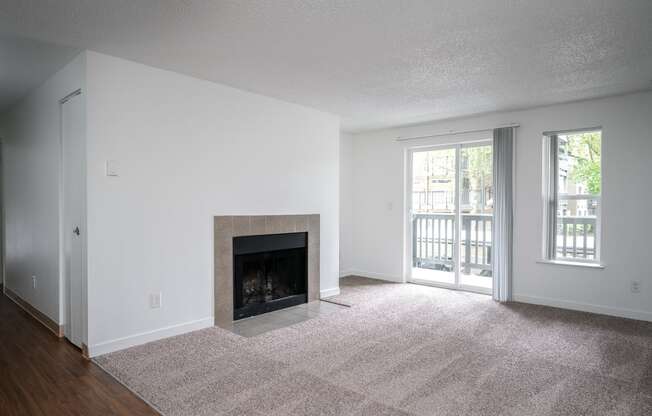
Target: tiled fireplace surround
x: 227, y: 227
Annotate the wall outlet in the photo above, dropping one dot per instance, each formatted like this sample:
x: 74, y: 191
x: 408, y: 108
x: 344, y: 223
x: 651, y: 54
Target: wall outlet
x: 33, y: 282
x: 112, y: 168
x: 635, y: 286
x: 155, y: 300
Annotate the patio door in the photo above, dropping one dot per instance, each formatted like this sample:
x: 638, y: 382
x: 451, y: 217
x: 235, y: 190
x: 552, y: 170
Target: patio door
x: 450, y: 202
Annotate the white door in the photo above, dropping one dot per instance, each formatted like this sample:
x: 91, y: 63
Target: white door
x: 74, y: 184
x: 450, y: 217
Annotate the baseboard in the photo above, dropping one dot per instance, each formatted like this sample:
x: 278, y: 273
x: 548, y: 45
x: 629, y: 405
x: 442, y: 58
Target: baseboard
x: 149, y: 336
x: 84, y: 349
x: 329, y: 292
x: 344, y: 273
x: 585, y: 307
x: 54, y: 327
x: 374, y: 275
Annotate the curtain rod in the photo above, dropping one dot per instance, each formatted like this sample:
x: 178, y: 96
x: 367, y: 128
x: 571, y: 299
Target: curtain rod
x: 570, y: 131
x: 454, y: 132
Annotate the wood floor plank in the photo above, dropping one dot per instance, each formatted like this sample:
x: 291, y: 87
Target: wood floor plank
x: 43, y: 375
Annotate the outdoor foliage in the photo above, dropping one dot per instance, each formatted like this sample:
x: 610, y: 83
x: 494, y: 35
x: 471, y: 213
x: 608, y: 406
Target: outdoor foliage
x: 585, y: 148
x: 479, y: 162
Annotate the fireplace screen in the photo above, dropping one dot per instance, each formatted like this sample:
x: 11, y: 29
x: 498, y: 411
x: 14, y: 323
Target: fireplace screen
x: 269, y: 272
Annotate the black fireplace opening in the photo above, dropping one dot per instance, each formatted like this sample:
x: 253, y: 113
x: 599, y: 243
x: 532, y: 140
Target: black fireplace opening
x: 270, y: 272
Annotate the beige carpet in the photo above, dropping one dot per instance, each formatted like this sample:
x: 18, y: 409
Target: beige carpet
x: 403, y: 350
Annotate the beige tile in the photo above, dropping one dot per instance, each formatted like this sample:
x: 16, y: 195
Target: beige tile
x: 241, y: 225
x: 224, y: 300
x: 300, y: 223
x: 313, y: 224
x: 257, y: 225
x: 272, y: 224
x: 313, y: 241
x: 286, y: 224
x: 223, y: 282
x: 223, y: 224
x: 313, y: 275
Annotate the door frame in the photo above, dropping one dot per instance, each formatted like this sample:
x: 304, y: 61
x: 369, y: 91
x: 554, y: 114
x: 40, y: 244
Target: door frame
x: 64, y: 281
x: 458, y: 146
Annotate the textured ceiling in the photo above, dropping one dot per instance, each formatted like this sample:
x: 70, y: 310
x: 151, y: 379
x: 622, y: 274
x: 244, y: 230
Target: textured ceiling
x: 25, y: 64
x: 373, y: 62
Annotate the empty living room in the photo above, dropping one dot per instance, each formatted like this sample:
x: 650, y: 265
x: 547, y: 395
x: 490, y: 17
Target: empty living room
x: 325, y: 208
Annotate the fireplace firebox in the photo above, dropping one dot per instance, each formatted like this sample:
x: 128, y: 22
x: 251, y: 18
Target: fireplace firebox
x: 270, y: 272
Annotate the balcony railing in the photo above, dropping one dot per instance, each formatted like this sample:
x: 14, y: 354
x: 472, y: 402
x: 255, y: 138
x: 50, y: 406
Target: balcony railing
x: 433, y: 239
x: 576, y: 237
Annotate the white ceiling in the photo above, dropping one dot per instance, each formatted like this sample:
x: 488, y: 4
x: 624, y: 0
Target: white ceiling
x: 25, y: 64
x: 375, y: 63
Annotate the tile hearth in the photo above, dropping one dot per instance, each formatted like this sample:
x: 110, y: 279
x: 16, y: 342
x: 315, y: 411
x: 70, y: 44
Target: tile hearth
x: 260, y: 324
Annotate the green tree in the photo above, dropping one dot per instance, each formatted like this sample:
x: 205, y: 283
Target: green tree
x: 585, y: 149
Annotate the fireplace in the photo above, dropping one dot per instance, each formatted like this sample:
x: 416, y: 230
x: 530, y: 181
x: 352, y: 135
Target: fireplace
x: 270, y: 272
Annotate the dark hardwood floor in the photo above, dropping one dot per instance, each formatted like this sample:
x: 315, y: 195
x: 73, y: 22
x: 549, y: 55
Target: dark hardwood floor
x: 42, y: 375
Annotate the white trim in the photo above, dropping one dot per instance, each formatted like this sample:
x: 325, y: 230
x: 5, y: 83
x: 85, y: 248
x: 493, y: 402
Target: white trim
x: 326, y: 293
x: 344, y: 273
x: 588, y: 264
x: 149, y: 336
x: 585, y: 307
x: 449, y: 286
x: 377, y: 276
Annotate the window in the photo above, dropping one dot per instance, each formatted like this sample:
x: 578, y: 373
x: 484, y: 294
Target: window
x: 572, y: 195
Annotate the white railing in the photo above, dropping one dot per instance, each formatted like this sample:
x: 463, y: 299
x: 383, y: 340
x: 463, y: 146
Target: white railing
x: 433, y: 237
x: 576, y: 237
x: 433, y: 240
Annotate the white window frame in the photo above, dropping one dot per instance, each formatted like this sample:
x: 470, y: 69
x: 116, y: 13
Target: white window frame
x: 552, y: 197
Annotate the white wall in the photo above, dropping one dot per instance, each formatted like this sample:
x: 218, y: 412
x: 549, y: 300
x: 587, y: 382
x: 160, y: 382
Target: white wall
x: 346, y: 204
x: 31, y: 162
x: 378, y: 171
x: 189, y: 150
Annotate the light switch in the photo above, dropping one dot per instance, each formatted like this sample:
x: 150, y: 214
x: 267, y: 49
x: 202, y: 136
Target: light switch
x: 111, y: 168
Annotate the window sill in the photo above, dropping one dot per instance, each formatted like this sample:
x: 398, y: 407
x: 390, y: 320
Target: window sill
x: 573, y: 263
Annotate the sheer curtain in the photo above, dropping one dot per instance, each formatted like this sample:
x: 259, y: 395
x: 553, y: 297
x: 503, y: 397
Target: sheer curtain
x: 503, y: 154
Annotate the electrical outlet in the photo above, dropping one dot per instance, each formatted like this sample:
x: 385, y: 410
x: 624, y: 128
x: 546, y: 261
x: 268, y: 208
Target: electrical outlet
x: 33, y: 282
x: 155, y: 300
x: 635, y: 286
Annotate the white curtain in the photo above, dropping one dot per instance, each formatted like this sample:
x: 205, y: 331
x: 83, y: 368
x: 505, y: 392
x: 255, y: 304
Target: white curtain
x: 503, y: 151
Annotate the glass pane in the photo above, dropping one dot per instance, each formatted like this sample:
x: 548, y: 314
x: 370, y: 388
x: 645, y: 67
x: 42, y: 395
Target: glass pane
x: 433, y: 222
x: 579, y: 163
x: 476, y: 206
x: 579, y: 178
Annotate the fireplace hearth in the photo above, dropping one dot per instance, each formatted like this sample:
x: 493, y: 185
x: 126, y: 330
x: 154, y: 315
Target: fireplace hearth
x: 270, y: 272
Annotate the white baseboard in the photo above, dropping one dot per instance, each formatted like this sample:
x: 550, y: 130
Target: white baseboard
x: 377, y: 276
x: 585, y: 307
x: 145, y: 337
x: 344, y: 273
x: 329, y: 292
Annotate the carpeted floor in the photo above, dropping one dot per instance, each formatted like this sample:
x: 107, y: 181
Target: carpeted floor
x: 403, y: 350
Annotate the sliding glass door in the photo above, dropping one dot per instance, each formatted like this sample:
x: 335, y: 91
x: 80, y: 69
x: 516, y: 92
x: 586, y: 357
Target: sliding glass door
x: 450, y: 216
